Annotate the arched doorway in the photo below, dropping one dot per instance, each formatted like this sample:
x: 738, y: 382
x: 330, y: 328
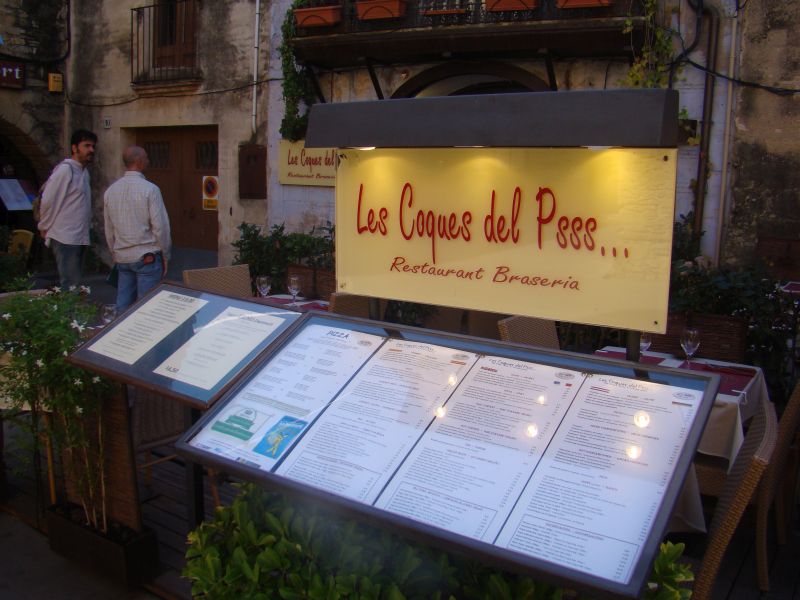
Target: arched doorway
x: 462, y: 78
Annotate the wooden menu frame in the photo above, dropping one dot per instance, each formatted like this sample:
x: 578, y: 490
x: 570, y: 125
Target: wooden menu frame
x: 141, y: 372
x: 704, y: 386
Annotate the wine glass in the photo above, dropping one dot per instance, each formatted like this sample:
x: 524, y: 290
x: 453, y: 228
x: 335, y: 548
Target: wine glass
x: 644, y: 343
x: 108, y: 313
x: 294, y: 288
x: 690, y: 342
x: 263, y: 285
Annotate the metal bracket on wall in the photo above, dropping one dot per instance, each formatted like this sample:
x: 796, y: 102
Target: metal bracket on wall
x: 551, y: 72
x: 316, y: 86
x: 375, y: 83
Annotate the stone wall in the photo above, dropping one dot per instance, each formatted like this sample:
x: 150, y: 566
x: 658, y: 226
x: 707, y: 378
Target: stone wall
x: 33, y: 32
x: 765, y: 198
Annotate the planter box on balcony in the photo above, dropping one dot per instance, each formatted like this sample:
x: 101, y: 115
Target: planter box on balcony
x: 317, y: 16
x: 508, y: 5
x: 380, y: 9
x: 582, y: 3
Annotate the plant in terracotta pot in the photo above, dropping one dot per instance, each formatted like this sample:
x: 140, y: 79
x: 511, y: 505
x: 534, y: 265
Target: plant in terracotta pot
x: 62, y: 404
x: 317, y: 13
x: 380, y: 9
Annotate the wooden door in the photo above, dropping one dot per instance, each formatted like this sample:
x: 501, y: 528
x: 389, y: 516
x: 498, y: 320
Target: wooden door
x: 179, y: 159
x: 174, y: 23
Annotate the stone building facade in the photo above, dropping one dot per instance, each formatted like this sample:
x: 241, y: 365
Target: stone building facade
x: 137, y: 73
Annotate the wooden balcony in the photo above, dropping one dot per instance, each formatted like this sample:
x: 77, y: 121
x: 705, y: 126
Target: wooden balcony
x: 430, y: 30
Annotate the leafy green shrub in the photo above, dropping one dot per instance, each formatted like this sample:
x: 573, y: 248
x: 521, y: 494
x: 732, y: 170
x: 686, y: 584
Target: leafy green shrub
x: 37, y: 333
x: 265, y: 254
x: 267, y: 546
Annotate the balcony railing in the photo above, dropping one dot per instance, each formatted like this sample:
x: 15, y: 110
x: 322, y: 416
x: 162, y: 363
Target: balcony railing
x: 164, y: 42
x: 357, y: 16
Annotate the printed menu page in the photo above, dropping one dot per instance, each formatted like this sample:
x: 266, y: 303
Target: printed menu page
x: 592, y: 500
x: 218, y: 347
x: 261, y: 421
x: 140, y: 331
x: 471, y: 465
x: 358, y: 442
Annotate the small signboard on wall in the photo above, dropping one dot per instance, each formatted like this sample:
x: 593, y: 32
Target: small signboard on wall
x: 210, y: 192
x: 12, y: 74
x: 306, y: 166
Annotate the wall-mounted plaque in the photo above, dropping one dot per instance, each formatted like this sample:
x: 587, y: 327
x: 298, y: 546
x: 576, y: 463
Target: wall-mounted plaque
x: 563, y: 464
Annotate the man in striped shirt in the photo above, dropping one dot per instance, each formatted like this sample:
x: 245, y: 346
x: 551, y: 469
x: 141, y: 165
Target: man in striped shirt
x: 137, y: 229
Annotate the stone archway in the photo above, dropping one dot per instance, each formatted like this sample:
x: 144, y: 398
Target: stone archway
x: 456, y: 78
x: 21, y: 150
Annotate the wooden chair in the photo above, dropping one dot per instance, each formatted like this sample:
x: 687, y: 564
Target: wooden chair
x: 529, y: 330
x: 353, y: 305
x: 20, y: 242
x: 777, y: 487
x: 739, y: 489
x: 231, y: 281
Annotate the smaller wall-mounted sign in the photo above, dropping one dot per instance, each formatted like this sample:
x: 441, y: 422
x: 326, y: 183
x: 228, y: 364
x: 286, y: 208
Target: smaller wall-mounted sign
x: 210, y: 192
x: 12, y: 74
x: 306, y: 166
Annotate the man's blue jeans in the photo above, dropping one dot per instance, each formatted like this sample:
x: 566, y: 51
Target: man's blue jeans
x: 136, y: 279
x: 69, y: 262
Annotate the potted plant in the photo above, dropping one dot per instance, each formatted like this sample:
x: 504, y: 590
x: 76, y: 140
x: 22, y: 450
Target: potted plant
x: 510, y: 5
x: 64, y: 405
x: 380, y: 9
x: 313, y: 13
x: 310, y: 257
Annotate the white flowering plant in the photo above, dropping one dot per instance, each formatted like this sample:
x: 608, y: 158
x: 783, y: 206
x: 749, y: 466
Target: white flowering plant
x: 59, y: 400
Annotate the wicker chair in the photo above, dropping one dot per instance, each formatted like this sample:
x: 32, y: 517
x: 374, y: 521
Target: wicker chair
x: 739, y: 489
x: 721, y: 337
x: 529, y: 330
x: 353, y: 305
x: 231, y: 281
x: 20, y: 242
x: 777, y: 484
x: 484, y: 324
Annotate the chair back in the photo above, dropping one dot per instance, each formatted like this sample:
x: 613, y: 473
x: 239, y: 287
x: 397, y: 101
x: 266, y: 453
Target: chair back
x: 353, y: 305
x: 231, y: 281
x: 721, y: 337
x: 739, y: 489
x: 484, y: 324
x: 529, y: 330
x: 20, y: 242
x: 788, y: 427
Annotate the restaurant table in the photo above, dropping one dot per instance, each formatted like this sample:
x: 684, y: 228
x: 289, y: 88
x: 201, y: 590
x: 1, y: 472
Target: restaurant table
x: 742, y: 388
x: 286, y: 300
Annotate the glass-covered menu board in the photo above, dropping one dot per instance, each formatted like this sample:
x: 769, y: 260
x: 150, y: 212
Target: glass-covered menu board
x: 184, y: 343
x: 563, y: 463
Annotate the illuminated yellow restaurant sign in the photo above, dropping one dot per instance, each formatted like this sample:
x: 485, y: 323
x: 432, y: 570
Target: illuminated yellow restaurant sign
x: 299, y: 165
x: 572, y: 234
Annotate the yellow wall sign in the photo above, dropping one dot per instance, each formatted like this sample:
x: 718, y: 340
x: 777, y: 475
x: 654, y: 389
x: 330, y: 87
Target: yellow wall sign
x: 571, y: 234
x: 299, y: 165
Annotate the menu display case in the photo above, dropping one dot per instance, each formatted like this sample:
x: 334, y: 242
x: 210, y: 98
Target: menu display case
x: 183, y: 343
x: 560, y: 464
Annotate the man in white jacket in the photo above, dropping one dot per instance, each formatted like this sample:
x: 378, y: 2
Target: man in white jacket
x: 66, y: 209
x: 137, y: 229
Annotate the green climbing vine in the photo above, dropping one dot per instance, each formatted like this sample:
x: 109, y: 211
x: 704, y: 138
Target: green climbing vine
x: 298, y: 92
x: 650, y: 67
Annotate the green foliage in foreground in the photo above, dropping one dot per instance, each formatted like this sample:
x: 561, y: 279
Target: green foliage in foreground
x: 267, y: 546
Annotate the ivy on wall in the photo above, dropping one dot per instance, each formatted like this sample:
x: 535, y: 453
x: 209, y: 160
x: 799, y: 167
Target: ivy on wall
x: 650, y: 67
x: 298, y: 92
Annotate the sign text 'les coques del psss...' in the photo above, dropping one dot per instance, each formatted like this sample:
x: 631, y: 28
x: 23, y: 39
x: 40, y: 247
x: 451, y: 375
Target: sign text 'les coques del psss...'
x: 572, y: 234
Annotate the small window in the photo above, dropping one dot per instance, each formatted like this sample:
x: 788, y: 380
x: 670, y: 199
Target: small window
x: 158, y: 153
x: 205, y: 156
